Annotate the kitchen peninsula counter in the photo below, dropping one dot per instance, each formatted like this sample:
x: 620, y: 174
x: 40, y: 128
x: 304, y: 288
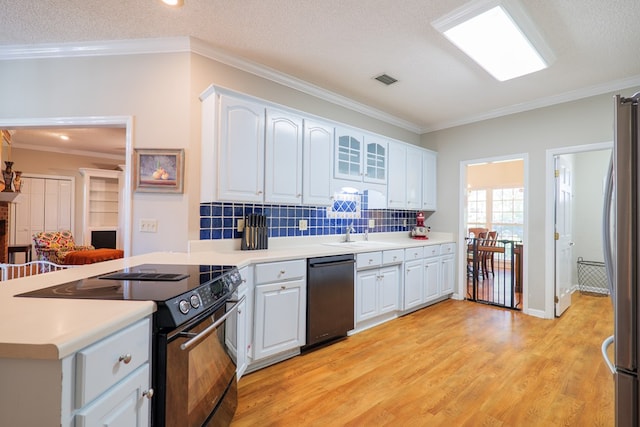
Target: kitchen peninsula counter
x: 54, y: 328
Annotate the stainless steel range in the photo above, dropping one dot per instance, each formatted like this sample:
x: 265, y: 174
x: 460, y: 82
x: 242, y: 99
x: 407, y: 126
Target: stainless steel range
x: 193, y: 377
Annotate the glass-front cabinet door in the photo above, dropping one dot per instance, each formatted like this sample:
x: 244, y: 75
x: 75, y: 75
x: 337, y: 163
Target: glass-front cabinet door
x: 348, y: 157
x: 360, y: 157
x: 375, y: 161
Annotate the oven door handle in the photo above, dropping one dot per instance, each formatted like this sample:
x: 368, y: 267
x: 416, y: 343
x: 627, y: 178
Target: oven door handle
x: 205, y: 333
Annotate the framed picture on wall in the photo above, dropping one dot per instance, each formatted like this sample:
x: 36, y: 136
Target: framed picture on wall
x: 158, y: 170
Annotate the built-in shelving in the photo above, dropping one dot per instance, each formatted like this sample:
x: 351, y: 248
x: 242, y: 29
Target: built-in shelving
x: 102, y: 190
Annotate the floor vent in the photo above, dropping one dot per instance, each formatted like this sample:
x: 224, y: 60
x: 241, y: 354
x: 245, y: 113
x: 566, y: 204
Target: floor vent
x: 386, y: 79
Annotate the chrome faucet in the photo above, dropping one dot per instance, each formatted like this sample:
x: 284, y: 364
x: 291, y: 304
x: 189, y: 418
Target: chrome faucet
x: 347, y: 233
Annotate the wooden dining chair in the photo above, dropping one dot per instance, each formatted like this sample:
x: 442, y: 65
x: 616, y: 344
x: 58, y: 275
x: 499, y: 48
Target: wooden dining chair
x: 479, y: 236
x: 487, y: 256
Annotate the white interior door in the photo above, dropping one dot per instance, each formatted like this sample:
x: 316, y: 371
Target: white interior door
x: 43, y: 205
x: 564, y: 243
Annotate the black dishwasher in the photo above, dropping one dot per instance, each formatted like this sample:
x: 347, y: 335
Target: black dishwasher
x: 330, y: 298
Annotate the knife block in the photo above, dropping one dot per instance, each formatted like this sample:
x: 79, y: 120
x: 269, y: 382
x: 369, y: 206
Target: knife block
x: 255, y: 234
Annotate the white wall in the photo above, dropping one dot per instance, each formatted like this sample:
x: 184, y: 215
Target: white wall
x: 571, y: 124
x: 590, y: 169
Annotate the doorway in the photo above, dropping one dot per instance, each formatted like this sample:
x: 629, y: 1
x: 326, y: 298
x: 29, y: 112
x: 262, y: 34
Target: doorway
x: 493, y: 232
x: 86, y: 124
x: 573, y: 231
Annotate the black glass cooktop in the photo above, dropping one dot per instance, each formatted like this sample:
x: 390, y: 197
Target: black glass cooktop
x: 147, y: 282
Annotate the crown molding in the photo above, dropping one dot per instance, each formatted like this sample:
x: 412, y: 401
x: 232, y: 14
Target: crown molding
x: 60, y: 150
x: 548, y: 101
x: 94, y: 48
x: 201, y: 48
x: 52, y: 122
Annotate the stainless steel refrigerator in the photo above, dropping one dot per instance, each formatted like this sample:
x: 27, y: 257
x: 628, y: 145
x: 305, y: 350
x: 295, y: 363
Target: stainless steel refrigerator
x: 621, y: 238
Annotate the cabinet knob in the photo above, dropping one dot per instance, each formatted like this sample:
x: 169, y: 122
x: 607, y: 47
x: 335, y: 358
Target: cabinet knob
x: 259, y: 192
x: 282, y: 272
x: 148, y: 394
x: 298, y: 195
x: 126, y: 358
x: 283, y: 287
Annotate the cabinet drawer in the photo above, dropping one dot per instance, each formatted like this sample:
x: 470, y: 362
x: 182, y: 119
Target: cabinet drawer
x: 126, y: 401
x: 433, y: 250
x: 368, y: 259
x: 448, y: 249
x: 103, y: 364
x: 413, y: 253
x: 278, y: 271
x: 393, y: 257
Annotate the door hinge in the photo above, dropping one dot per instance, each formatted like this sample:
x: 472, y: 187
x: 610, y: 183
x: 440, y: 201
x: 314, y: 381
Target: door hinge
x: 556, y: 173
x: 556, y: 236
x: 556, y: 299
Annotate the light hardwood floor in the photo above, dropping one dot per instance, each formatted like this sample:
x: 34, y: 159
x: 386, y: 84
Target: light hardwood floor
x: 457, y: 363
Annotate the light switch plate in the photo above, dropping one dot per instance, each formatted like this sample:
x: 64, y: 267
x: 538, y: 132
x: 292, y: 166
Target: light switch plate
x: 149, y: 225
x: 404, y: 222
x: 302, y: 225
x: 372, y: 223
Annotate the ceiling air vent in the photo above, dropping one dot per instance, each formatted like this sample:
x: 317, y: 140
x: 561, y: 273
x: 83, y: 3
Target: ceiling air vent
x: 386, y: 79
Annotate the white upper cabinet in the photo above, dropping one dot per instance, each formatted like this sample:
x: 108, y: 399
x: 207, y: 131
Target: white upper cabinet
x: 397, y: 185
x: 429, y: 181
x: 283, y: 158
x: 360, y: 157
x: 375, y: 160
x: 254, y: 151
x: 241, y: 150
x: 348, y: 155
x: 414, y: 177
x: 317, y: 155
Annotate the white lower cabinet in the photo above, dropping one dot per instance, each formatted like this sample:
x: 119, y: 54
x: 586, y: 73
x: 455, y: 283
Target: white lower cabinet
x: 104, y: 384
x: 429, y: 275
x: 123, y: 405
x: 413, y: 284
x: 236, y: 326
x: 431, y: 278
x: 112, y: 379
x: 447, y: 268
x: 377, y: 286
x: 280, y: 308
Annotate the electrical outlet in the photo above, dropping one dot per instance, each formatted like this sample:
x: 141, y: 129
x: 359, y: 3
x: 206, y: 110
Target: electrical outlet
x: 372, y: 223
x: 149, y: 225
x: 404, y: 222
x: 302, y: 225
x: 240, y: 225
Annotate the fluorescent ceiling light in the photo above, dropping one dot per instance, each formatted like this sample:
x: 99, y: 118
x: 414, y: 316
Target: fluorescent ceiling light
x: 499, y: 36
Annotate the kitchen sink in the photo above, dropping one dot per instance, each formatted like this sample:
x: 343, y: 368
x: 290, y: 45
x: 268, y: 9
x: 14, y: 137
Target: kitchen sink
x: 361, y: 244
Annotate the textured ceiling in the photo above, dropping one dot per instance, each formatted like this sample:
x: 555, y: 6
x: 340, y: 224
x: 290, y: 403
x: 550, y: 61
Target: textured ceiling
x: 341, y: 45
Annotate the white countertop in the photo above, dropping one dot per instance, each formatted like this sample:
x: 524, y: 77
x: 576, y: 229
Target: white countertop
x: 52, y: 328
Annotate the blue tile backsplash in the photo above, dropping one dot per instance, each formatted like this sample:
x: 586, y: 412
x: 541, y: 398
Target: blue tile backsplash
x: 218, y: 220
